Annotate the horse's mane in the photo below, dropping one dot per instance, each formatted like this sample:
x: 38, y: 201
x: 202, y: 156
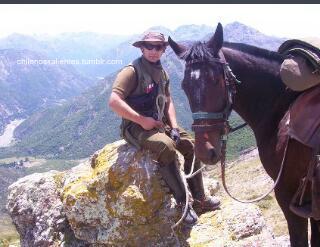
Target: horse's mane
x: 254, y: 51
x: 199, y: 50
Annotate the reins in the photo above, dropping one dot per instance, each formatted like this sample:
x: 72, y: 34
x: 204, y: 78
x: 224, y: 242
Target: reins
x: 223, y: 166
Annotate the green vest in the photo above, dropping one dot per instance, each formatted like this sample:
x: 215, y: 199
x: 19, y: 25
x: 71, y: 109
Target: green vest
x: 145, y: 83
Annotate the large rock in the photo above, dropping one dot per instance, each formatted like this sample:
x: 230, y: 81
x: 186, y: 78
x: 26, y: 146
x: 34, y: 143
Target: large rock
x: 236, y: 225
x: 120, y: 202
x: 36, y: 209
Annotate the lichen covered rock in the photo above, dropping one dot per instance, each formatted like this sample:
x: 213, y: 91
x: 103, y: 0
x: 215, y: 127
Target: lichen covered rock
x: 235, y: 225
x: 120, y: 201
x: 37, y: 211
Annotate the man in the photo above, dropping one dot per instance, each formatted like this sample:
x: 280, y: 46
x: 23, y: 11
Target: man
x: 139, y: 93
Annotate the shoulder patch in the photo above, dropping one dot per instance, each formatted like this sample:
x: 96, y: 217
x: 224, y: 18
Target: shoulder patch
x: 130, y: 67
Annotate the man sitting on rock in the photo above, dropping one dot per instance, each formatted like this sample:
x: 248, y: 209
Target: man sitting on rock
x: 141, y: 96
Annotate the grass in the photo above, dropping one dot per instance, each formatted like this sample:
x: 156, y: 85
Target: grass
x: 247, y: 180
x: 59, y: 165
x: 9, y: 235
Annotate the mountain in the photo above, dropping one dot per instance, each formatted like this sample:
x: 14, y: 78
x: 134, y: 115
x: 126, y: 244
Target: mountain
x: 240, y: 33
x: 82, y: 45
x: 78, y: 127
x: 73, y: 129
x: 27, y: 84
x: 192, y: 32
x: 64, y: 45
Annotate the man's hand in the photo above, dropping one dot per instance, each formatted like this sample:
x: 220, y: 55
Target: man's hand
x: 175, y: 135
x: 148, y: 123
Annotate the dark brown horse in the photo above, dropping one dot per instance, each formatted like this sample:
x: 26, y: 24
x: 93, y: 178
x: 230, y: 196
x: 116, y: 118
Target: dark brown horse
x: 261, y: 99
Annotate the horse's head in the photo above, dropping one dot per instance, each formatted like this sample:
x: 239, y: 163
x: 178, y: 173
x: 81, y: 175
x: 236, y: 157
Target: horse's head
x: 209, y: 94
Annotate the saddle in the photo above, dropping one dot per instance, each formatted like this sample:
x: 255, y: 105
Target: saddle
x: 304, y: 126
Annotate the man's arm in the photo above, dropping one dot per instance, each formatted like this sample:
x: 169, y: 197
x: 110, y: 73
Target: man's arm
x: 172, y: 113
x: 119, y: 106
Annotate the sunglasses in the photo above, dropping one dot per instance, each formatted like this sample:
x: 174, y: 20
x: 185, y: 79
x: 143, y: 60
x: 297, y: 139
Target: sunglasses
x: 151, y: 46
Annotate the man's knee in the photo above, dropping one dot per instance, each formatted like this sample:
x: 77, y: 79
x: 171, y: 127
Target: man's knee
x: 167, y: 152
x: 186, y: 148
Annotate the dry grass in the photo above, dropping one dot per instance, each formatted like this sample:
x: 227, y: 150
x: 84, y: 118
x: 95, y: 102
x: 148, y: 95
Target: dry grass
x: 9, y: 236
x: 246, y: 180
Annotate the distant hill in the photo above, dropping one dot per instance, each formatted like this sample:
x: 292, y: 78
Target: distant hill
x: 83, y: 45
x: 75, y: 129
x: 26, y: 88
x: 192, y: 32
x: 240, y: 33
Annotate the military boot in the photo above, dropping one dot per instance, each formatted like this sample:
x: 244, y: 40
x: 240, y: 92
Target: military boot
x: 201, y: 202
x: 172, y: 176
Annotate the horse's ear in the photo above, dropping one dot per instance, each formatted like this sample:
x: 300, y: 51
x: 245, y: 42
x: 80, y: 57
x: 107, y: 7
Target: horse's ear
x: 177, y: 48
x: 217, y: 39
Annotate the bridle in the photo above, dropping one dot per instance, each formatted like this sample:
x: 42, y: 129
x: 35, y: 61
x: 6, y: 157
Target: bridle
x: 221, y: 120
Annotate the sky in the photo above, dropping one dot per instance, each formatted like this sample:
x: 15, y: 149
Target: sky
x: 281, y: 20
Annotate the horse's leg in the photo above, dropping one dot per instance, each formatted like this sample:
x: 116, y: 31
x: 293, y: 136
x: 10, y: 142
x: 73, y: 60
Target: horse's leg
x: 315, y: 233
x: 297, y: 160
x: 297, y: 226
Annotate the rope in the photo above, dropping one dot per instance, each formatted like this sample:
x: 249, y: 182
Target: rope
x: 184, y: 179
x: 223, y: 161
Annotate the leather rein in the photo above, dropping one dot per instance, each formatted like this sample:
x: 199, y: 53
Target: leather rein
x: 222, y: 122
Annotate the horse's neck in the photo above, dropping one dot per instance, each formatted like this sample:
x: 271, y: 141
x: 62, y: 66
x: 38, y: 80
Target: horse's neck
x: 261, y: 98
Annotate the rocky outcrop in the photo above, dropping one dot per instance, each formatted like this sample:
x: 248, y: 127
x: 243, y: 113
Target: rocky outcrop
x: 37, y: 211
x: 117, y: 199
x: 119, y: 202
x: 235, y: 225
